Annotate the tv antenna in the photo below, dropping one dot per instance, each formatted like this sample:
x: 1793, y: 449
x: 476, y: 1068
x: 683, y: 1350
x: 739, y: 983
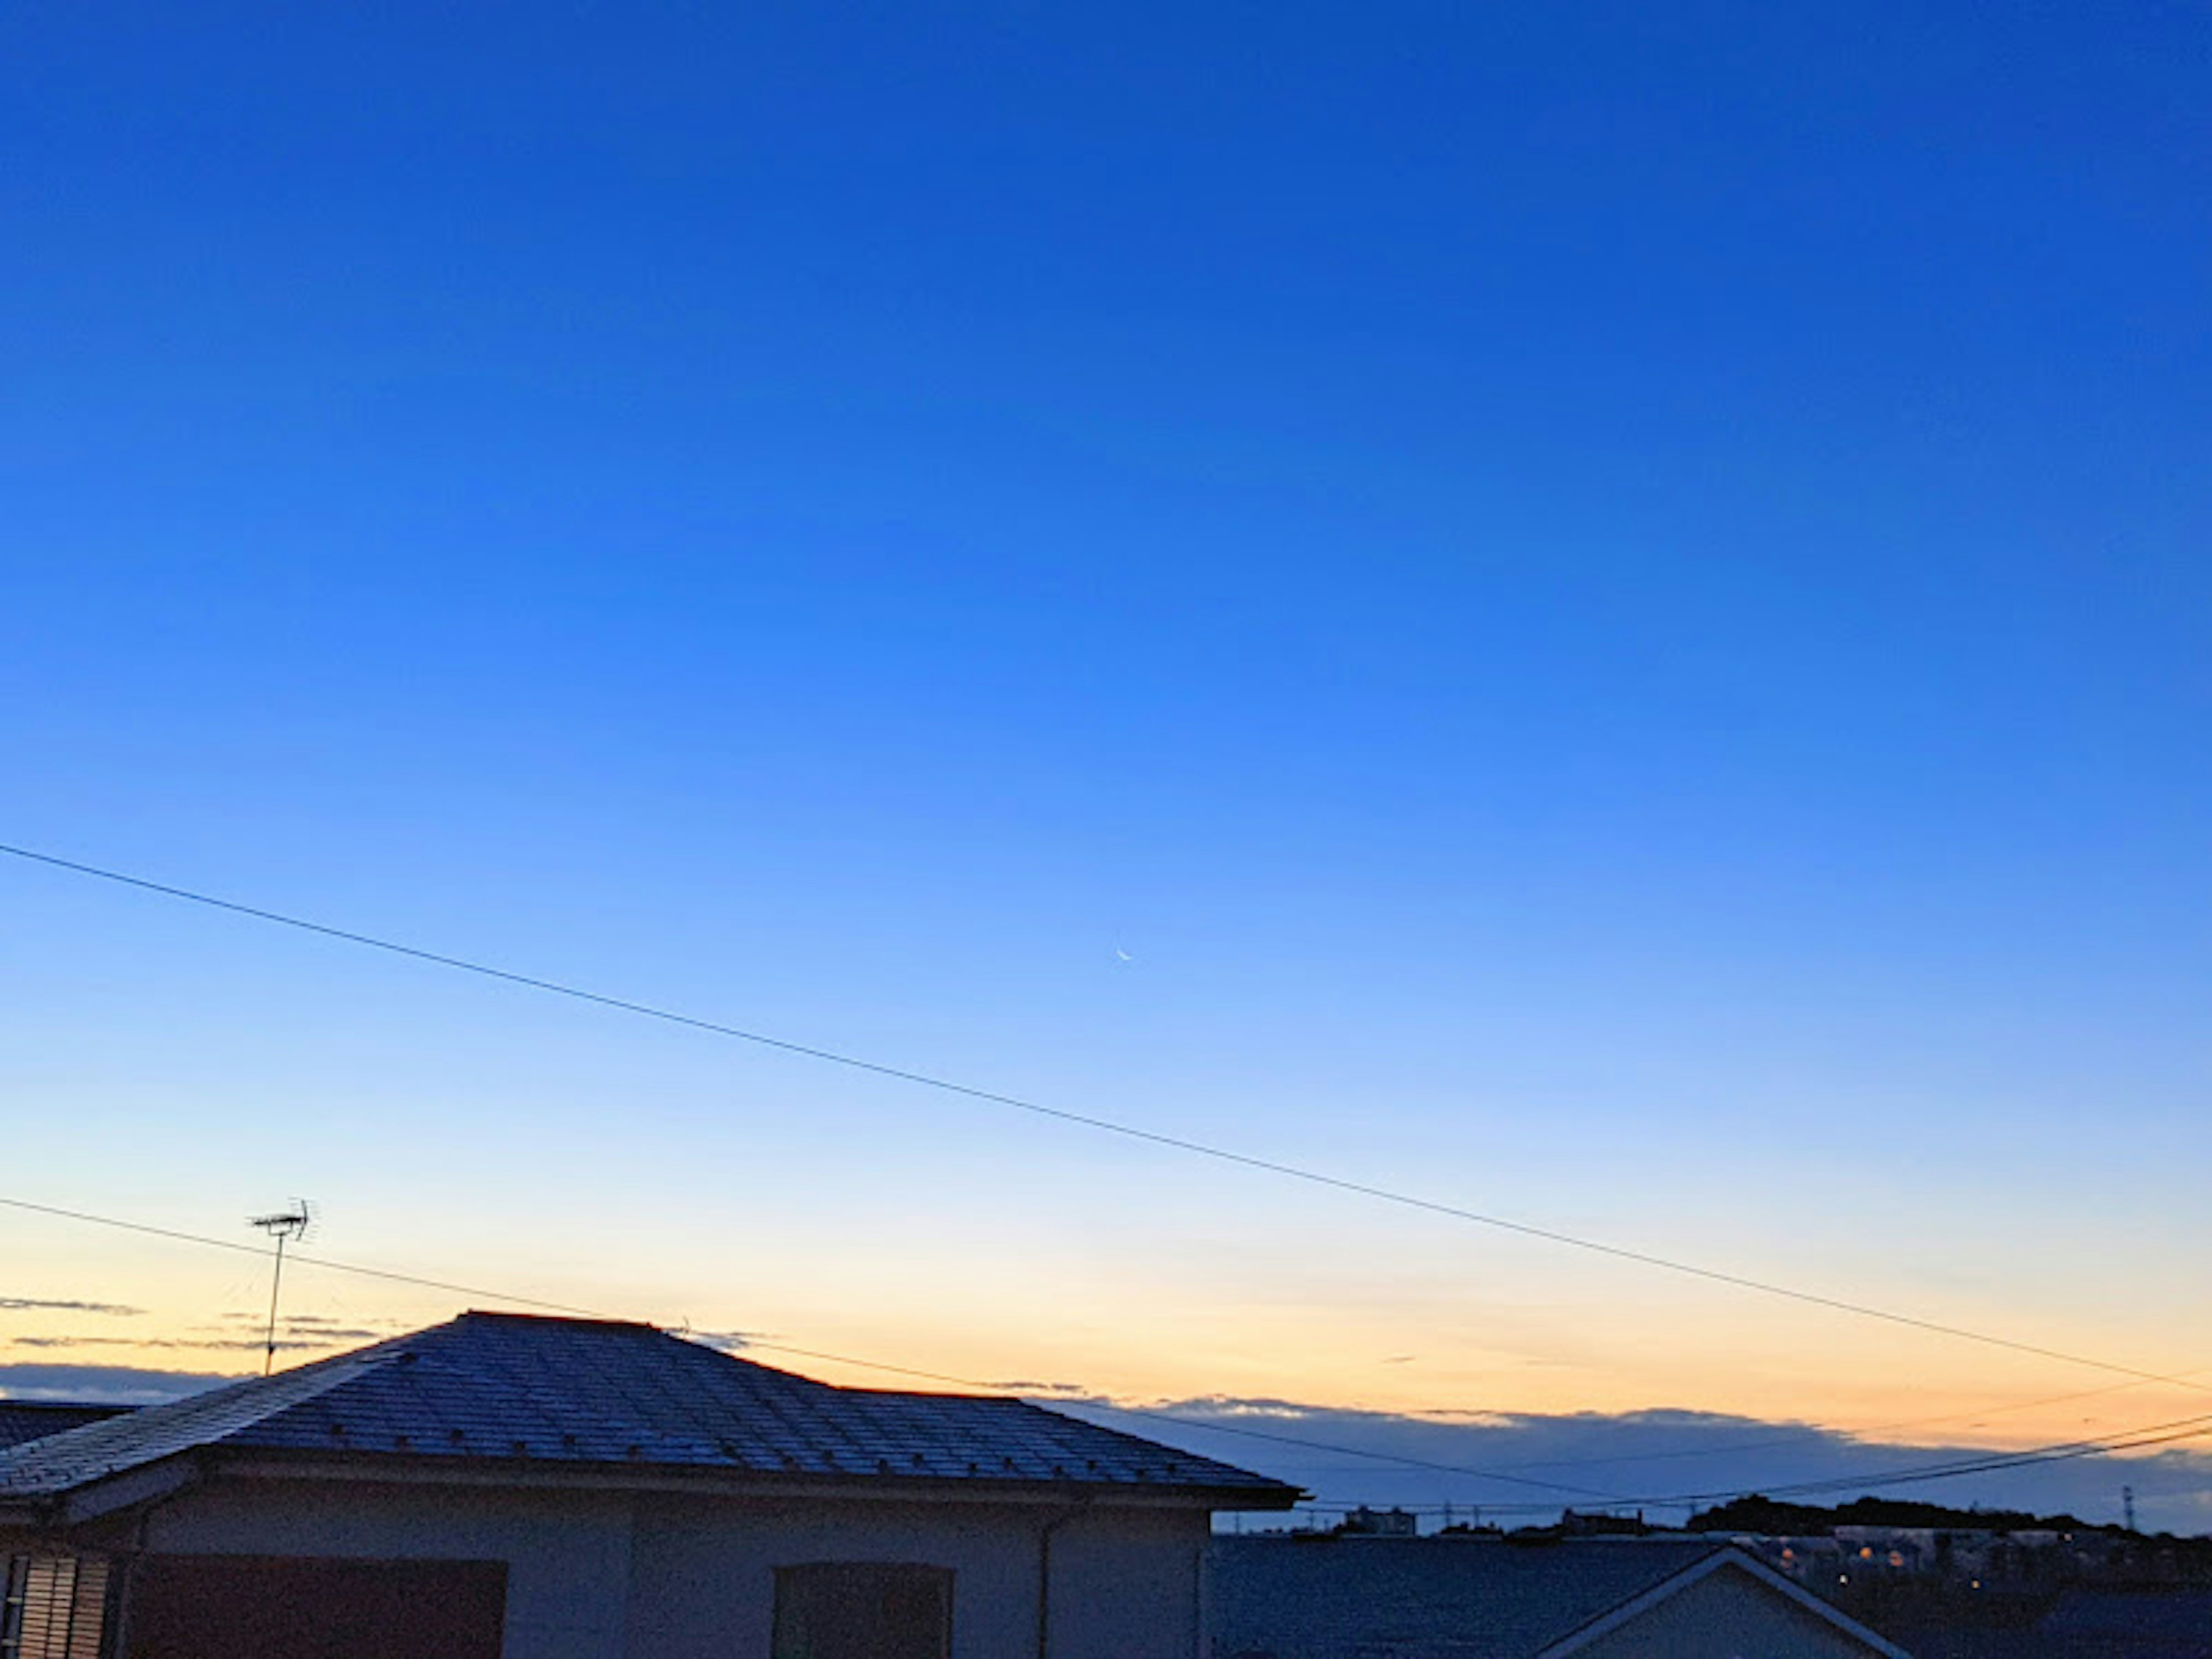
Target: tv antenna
x: 283, y: 1226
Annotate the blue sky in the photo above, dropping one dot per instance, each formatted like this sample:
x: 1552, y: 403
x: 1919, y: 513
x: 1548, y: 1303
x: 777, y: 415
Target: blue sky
x: 1610, y: 609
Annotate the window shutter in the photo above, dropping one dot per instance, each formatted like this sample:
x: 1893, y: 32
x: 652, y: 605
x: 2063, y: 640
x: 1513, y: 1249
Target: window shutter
x: 55, y: 1608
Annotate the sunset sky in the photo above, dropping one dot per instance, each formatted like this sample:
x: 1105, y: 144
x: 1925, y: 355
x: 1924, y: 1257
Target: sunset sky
x: 1595, y: 617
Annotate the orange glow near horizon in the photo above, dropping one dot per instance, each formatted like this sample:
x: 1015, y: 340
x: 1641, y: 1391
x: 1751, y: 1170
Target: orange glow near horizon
x: 141, y: 1303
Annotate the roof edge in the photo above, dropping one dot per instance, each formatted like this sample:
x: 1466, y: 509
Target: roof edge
x: 1724, y: 1557
x: 399, y: 1470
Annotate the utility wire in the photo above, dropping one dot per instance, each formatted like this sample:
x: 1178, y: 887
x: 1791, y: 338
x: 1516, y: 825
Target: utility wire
x: 1152, y: 1413
x: 1104, y: 1126
x: 2153, y: 1434
x: 317, y: 1261
x: 1731, y: 1447
x: 1211, y: 1426
x: 391, y: 1277
x: 1207, y: 1424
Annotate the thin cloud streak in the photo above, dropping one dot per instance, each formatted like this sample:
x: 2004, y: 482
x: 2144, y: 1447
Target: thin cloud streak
x: 209, y: 1345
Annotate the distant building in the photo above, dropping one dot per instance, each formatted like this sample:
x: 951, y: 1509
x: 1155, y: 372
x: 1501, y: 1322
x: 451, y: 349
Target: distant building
x: 1855, y: 1555
x: 503, y: 1488
x: 1380, y: 1523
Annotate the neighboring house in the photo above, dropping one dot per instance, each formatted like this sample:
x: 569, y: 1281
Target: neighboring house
x: 1286, y: 1596
x: 504, y: 1487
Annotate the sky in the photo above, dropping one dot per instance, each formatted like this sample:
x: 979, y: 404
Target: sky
x: 1596, y: 617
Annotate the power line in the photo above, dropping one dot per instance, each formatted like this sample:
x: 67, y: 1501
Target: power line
x: 475, y: 1291
x: 152, y: 1232
x: 2154, y: 1434
x: 2150, y: 1434
x: 177, y: 1235
x: 1505, y: 1474
x: 1104, y: 1126
x: 1211, y: 1426
x: 1730, y: 1448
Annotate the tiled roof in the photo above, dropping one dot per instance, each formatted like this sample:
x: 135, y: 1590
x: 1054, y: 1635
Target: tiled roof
x: 1427, y: 1598
x: 515, y: 1390
x: 34, y: 1420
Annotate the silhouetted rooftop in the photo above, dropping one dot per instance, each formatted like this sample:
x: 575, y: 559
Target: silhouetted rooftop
x: 516, y: 1389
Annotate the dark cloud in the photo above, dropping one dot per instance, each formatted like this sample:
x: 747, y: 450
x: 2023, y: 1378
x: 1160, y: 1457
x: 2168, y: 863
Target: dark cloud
x: 79, y: 1342
x: 33, y: 1303
x: 104, y: 1385
x: 1628, y: 1458
x: 309, y: 1334
x: 1620, y: 1459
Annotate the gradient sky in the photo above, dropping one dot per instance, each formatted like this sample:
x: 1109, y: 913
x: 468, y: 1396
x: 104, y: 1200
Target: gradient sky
x: 1598, y: 615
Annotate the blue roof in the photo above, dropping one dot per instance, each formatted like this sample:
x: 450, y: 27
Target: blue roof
x: 517, y: 1389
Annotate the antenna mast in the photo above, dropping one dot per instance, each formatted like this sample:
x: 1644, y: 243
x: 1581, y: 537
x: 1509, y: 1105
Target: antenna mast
x: 283, y: 1227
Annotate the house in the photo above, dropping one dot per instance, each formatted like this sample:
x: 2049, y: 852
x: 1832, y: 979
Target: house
x: 511, y: 1487
x: 1322, y: 1597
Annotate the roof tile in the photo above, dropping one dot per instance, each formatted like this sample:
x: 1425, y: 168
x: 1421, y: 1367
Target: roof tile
x: 501, y: 1387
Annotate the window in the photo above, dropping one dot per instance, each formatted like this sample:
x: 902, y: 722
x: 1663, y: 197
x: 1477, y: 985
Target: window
x: 228, y: 1607
x: 863, y: 1610
x: 52, y: 1606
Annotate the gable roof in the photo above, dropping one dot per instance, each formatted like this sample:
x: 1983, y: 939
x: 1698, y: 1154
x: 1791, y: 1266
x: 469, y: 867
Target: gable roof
x: 520, y: 1391
x: 1743, y: 1563
x: 1459, y: 1597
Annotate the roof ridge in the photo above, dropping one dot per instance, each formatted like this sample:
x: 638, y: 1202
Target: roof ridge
x: 555, y: 1393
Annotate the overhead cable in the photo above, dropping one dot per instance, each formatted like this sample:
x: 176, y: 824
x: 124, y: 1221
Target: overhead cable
x: 1101, y: 1125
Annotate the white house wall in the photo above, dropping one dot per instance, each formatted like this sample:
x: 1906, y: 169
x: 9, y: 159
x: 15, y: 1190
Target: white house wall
x: 1124, y: 1584
x: 1122, y: 1576
x: 568, y: 1554
x: 671, y: 1577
